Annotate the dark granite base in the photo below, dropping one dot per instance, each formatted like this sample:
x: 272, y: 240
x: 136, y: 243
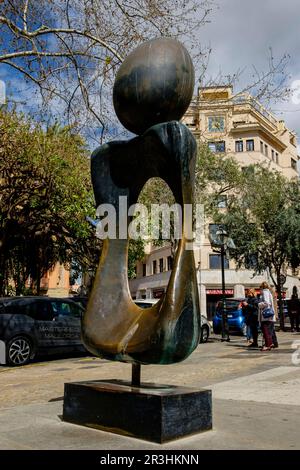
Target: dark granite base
x: 157, y: 413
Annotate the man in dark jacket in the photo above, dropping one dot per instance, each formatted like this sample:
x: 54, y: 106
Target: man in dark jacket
x: 294, y: 311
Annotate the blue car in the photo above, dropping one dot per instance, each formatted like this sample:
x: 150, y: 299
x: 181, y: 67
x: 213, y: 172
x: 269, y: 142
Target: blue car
x: 235, y: 316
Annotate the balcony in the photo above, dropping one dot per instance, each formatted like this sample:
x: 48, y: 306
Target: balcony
x: 240, y: 100
x: 153, y: 281
x: 248, y: 100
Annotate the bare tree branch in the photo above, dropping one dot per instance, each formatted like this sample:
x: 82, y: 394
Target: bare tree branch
x: 25, y: 14
x: 43, y: 30
x: 71, y: 50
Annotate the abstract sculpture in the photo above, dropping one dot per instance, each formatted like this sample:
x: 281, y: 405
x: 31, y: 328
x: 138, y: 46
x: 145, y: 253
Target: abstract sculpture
x: 153, y: 87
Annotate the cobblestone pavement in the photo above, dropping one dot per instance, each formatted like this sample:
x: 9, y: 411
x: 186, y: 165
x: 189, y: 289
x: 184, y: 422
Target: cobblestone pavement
x: 247, y: 386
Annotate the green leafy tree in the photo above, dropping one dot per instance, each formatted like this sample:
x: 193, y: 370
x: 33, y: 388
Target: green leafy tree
x: 45, y: 196
x: 264, y: 221
x: 217, y: 176
x: 136, y: 252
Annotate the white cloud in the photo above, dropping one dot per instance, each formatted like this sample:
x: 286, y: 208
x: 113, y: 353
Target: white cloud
x: 241, y: 33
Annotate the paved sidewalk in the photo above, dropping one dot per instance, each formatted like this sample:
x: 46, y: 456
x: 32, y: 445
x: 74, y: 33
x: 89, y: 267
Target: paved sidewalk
x: 256, y: 399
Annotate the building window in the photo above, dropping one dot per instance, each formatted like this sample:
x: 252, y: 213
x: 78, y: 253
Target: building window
x: 276, y: 158
x: 170, y: 263
x: 266, y: 150
x: 222, y: 202
x: 293, y: 164
x: 273, y: 155
x: 217, y: 147
x: 144, y: 269
x: 216, y: 124
x: 239, y: 146
x: 215, y: 262
x: 261, y: 147
x: 250, y: 145
x: 154, y: 265
x: 161, y: 265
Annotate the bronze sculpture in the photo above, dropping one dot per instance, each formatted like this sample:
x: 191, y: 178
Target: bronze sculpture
x: 154, y: 84
x: 153, y: 89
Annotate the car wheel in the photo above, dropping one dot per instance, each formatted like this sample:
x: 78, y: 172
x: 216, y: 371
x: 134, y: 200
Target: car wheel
x: 19, y: 351
x: 204, y: 334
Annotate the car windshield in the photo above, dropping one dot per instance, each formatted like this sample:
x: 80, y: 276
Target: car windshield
x: 80, y: 300
x: 230, y: 305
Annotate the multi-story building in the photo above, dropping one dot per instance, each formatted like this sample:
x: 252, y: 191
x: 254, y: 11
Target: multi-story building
x: 240, y: 126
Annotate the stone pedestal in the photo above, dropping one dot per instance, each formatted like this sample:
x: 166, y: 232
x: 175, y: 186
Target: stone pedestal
x: 157, y: 413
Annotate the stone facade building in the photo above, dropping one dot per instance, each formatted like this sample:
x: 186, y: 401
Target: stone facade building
x: 239, y: 126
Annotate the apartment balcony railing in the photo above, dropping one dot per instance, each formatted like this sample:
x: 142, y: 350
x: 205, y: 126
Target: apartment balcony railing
x: 239, y: 99
x: 245, y: 98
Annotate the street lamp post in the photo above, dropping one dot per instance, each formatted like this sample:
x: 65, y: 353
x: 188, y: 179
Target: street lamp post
x: 224, y: 319
x: 223, y: 244
x: 223, y: 238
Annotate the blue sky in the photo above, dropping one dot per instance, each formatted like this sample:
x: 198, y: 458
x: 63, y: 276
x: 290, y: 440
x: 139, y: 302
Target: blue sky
x: 240, y: 34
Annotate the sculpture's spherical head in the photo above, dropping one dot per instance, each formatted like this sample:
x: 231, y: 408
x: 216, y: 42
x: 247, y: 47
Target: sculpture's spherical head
x: 154, y: 84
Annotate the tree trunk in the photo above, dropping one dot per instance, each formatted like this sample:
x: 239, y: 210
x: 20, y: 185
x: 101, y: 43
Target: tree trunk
x: 38, y: 281
x: 280, y: 302
x: 2, y: 277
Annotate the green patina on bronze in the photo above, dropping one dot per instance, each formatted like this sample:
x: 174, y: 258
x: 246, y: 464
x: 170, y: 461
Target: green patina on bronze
x: 114, y: 327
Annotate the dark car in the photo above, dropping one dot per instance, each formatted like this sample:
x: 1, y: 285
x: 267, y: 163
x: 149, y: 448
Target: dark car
x: 235, y: 316
x: 31, y: 325
x: 79, y: 299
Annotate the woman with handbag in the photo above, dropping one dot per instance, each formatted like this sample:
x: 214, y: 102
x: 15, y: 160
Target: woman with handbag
x: 266, y: 315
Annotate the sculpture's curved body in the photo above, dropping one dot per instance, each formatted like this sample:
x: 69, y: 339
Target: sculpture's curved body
x: 114, y: 327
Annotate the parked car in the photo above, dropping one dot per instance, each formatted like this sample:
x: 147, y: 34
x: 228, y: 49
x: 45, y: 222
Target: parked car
x: 205, y: 329
x: 205, y: 326
x: 79, y: 299
x: 31, y: 325
x: 235, y: 316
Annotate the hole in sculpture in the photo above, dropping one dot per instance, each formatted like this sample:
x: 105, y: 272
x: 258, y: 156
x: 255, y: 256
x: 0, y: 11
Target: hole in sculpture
x: 158, y: 223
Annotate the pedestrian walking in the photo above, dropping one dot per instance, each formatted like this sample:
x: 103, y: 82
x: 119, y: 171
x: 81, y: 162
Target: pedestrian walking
x: 247, y: 313
x: 266, y: 316
x: 274, y: 319
x: 250, y: 309
x: 294, y: 311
